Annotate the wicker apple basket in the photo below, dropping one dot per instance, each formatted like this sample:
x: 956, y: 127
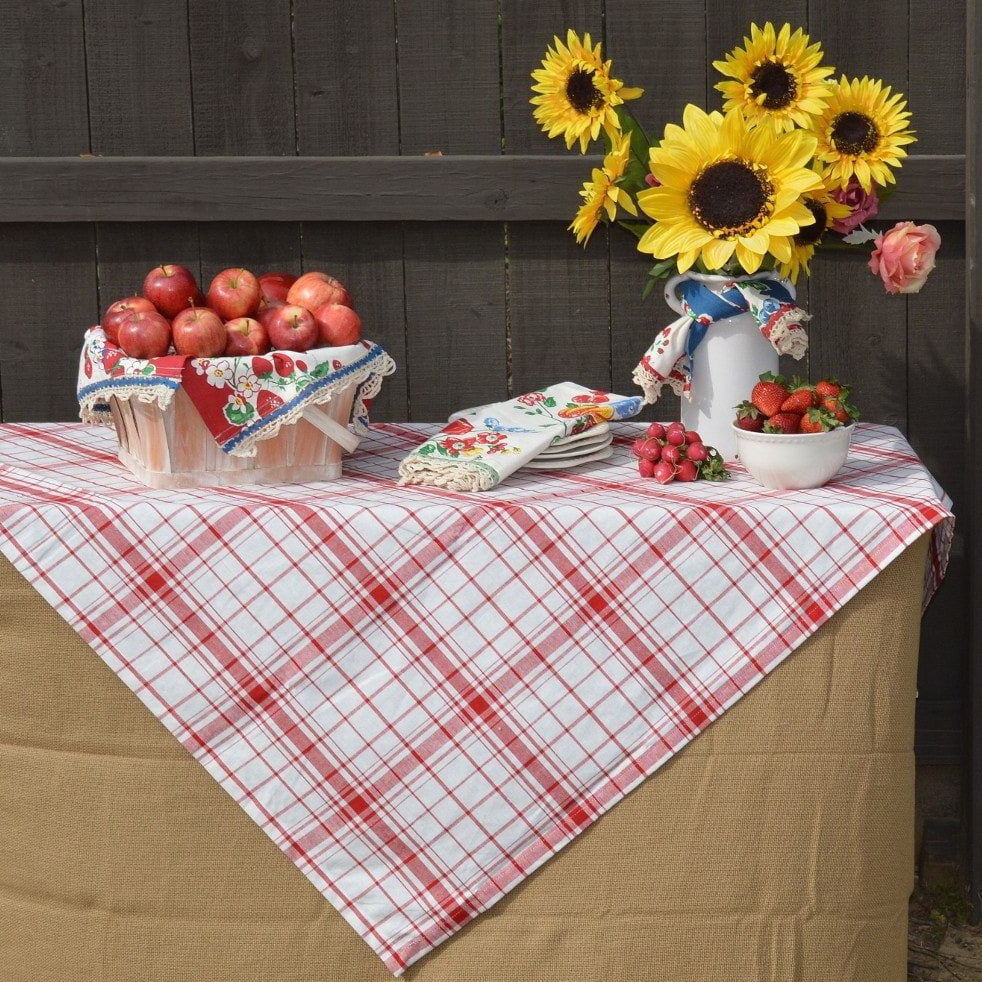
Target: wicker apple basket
x: 172, y: 447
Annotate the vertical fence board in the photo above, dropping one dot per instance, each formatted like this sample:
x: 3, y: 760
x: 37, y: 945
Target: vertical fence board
x: 346, y: 90
x: 937, y: 98
x: 139, y: 78
x: 667, y: 57
x: 558, y: 293
x: 455, y: 277
x: 936, y: 378
x: 347, y: 101
x: 242, y: 77
x: 367, y: 258
x: 855, y: 324
x: 47, y: 272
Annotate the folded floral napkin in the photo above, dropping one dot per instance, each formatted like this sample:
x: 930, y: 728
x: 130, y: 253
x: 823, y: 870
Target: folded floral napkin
x: 669, y: 359
x: 479, y: 448
x: 241, y: 400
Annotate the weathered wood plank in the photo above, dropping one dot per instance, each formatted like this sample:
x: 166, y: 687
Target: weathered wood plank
x: 242, y: 77
x: 558, y: 293
x: 937, y: 97
x: 47, y: 283
x: 936, y: 380
x: 367, y: 258
x: 346, y: 86
x: 139, y: 77
x: 973, y: 139
x: 47, y: 275
x: 263, y: 247
x: 454, y: 274
x: 857, y: 328
x: 668, y: 59
x: 358, y: 189
x: 43, y: 103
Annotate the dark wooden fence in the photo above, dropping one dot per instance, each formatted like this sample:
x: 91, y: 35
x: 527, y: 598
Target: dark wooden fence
x: 292, y: 133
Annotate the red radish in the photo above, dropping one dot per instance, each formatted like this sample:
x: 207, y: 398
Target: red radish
x: 646, y: 468
x: 664, y: 472
x: 697, y: 452
x: 117, y: 312
x: 636, y: 447
x: 671, y: 454
x: 687, y: 471
x: 651, y: 449
x: 675, y: 434
x: 657, y: 431
x: 275, y: 286
x: 171, y: 288
x: 145, y: 334
x: 692, y: 437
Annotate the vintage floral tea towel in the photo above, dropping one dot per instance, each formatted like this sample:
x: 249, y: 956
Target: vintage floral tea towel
x: 241, y: 400
x: 669, y: 359
x: 478, y: 449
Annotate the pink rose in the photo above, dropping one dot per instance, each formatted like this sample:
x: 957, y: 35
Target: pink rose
x: 904, y: 256
x: 863, y: 206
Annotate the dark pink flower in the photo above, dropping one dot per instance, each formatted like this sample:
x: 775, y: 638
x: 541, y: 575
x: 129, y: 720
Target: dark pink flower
x: 864, y: 206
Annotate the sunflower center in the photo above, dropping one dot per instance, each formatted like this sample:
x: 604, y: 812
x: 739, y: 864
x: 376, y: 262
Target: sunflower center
x: 854, y: 133
x: 775, y: 83
x: 812, y: 234
x: 581, y: 92
x: 731, y: 197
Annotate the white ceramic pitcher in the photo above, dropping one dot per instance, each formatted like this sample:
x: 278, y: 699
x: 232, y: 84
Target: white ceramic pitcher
x: 725, y: 365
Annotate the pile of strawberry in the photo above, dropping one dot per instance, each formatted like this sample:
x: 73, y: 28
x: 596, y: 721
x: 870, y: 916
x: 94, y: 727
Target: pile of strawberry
x: 775, y: 406
x: 673, y: 453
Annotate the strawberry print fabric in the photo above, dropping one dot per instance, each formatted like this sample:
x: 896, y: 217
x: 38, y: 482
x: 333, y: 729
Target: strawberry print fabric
x: 480, y: 447
x: 241, y: 400
x: 422, y: 695
x: 669, y: 359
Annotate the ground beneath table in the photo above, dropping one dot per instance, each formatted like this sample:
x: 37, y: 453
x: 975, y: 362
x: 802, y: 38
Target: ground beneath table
x: 940, y: 946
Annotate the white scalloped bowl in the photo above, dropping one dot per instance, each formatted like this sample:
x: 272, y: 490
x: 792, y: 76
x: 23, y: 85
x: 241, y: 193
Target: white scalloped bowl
x: 793, y: 461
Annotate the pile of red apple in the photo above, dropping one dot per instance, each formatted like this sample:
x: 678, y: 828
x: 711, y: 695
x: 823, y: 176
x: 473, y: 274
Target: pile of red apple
x: 242, y: 314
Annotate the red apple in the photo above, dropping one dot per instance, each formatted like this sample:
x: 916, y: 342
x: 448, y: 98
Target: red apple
x: 338, y: 325
x: 117, y: 312
x: 145, y: 334
x: 275, y: 286
x: 293, y: 328
x: 198, y: 333
x: 234, y: 293
x: 313, y: 290
x: 245, y: 336
x: 170, y: 288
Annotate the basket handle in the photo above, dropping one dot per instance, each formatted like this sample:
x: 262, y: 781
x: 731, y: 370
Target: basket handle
x: 332, y: 428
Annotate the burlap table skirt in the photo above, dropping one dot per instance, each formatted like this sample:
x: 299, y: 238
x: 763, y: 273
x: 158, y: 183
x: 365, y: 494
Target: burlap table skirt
x: 778, y: 846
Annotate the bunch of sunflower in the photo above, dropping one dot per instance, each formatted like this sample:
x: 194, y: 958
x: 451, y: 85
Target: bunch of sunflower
x: 792, y: 153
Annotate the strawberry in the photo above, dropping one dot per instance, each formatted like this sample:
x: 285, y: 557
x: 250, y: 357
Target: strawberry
x: 748, y: 417
x: 783, y: 423
x: 840, y: 409
x: 828, y: 387
x: 769, y: 393
x: 267, y: 402
x: 800, y: 400
x: 817, y: 421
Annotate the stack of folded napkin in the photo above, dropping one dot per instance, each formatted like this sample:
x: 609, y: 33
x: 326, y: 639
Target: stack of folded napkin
x: 562, y: 425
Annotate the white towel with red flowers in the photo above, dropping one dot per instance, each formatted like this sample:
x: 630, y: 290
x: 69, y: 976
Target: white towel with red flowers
x: 480, y: 447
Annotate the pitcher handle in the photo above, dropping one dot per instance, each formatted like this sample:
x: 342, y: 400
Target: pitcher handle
x: 671, y: 287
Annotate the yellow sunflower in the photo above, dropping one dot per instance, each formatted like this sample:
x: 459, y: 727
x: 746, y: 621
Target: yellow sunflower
x: 778, y: 77
x: 601, y: 193
x: 727, y: 188
x: 825, y: 210
x: 577, y: 95
x: 863, y: 131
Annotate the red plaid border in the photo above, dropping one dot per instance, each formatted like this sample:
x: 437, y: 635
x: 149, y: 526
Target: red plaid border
x: 421, y: 695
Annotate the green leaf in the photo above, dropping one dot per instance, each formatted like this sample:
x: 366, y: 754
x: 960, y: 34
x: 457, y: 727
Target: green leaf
x: 637, y: 229
x: 663, y: 268
x: 646, y: 291
x: 550, y: 402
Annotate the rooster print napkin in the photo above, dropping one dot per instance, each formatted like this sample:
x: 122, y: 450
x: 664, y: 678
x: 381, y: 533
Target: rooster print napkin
x: 479, y: 448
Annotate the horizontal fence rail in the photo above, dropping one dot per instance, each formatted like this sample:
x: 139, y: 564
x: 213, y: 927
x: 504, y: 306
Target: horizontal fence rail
x: 510, y: 188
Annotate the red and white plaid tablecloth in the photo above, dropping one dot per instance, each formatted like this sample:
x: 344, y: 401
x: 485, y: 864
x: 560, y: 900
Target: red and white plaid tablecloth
x: 422, y: 695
